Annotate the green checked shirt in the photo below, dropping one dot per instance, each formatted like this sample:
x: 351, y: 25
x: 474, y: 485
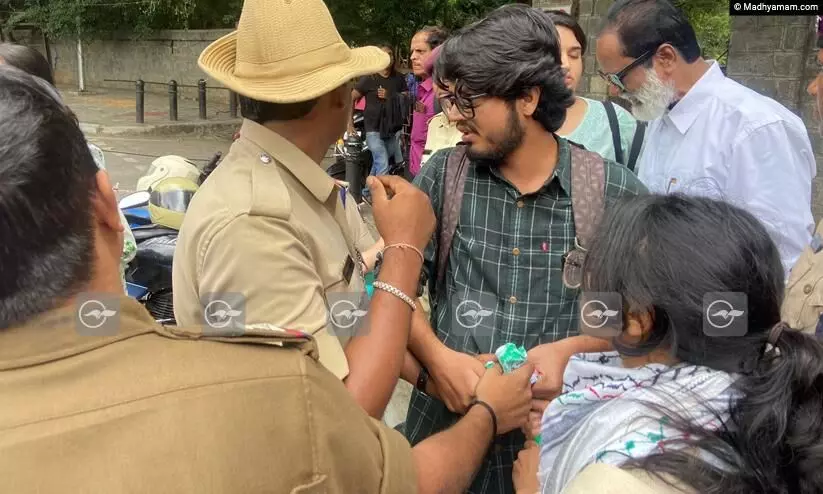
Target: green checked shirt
x: 503, y: 282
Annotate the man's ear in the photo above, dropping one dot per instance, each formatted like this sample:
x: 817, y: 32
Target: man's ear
x: 638, y: 326
x: 104, y: 203
x: 341, y: 97
x: 528, y: 102
x: 666, y: 59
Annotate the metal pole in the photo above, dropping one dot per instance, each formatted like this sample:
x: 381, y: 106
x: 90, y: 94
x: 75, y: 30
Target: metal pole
x: 233, y: 104
x: 201, y: 97
x: 354, y: 172
x: 81, y: 76
x: 173, y: 100
x: 141, y: 93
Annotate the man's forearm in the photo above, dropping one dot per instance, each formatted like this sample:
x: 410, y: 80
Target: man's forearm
x: 411, y: 369
x: 447, y: 462
x: 585, y: 344
x: 423, y: 343
x: 377, y: 354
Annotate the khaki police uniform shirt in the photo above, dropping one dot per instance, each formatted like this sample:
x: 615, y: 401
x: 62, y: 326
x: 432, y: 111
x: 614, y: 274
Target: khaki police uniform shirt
x: 270, y: 224
x: 803, y: 302
x: 150, y: 409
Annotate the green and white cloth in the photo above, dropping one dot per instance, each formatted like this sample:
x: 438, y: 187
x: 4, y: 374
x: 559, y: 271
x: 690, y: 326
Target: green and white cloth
x: 129, y: 244
x: 604, y: 415
x: 595, y: 134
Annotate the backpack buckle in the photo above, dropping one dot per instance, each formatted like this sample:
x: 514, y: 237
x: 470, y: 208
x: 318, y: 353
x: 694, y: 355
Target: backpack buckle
x: 572, y: 265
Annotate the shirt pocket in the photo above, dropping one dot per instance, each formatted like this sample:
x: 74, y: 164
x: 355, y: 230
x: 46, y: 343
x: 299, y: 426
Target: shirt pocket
x: 803, y: 303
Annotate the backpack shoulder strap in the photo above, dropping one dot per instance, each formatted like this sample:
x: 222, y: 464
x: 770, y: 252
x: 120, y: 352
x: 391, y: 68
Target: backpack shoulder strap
x: 454, y: 181
x: 588, y: 193
x: 614, y: 125
x: 588, y: 198
x: 637, y: 144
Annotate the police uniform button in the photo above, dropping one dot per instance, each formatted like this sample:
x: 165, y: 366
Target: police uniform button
x: 265, y: 158
x: 807, y: 289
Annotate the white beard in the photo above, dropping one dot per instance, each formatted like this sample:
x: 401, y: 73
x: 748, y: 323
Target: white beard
x: 652, y: 99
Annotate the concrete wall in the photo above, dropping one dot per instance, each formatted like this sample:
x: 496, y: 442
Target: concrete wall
x: 159, y: 57
x: 774, y: 55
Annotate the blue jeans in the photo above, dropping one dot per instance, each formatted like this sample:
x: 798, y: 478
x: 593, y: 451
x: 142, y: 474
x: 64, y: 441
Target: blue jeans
x: 381, y: 149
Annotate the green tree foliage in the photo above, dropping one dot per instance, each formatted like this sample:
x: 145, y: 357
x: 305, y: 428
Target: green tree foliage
x: 359, y: 21
x: 711, y: 22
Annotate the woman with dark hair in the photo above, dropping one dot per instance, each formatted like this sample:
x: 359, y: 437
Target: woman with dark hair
x: 602, y: 127
x: 707, y: 390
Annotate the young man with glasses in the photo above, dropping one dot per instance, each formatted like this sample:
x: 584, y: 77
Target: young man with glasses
x: 501, y: 80
x: 708, y: 135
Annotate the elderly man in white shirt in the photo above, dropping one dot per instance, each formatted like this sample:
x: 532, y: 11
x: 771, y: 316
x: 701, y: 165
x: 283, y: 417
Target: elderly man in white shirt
x: 709, y: 134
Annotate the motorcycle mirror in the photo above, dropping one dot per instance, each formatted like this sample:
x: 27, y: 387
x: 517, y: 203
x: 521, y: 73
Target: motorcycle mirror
x: 135, y: 200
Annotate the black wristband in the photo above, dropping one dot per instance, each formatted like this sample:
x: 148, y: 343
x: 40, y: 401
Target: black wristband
x: 491, y: 413
x: 422, y: 380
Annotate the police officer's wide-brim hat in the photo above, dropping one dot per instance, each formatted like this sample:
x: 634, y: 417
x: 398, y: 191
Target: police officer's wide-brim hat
x: 287, y: 51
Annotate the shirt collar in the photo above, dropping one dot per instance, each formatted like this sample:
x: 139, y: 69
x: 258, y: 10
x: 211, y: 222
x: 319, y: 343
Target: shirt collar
x: 564, y: 165
x: 57, y: 334
x: 428, y: 84
x: 304, y: 169
x: 562, y: 170
x: 685, y: 111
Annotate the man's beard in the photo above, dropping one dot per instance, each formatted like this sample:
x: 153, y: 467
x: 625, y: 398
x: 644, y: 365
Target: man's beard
x: 652, y: 99
x: 500, y: 149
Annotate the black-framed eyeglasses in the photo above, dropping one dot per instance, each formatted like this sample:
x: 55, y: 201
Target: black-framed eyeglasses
x: 616, y: 79
x: 465, y: 105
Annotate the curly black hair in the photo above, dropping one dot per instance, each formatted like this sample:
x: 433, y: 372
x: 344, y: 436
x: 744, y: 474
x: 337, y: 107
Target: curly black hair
x: 513, y: 50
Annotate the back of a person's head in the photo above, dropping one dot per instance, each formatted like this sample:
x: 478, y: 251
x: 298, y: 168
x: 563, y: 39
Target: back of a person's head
x: 670, y: 256
x: 47, y: 179
x: 435, y: 35
x: 643, y: 25
x: 26, y: 59
x: 515, y: 49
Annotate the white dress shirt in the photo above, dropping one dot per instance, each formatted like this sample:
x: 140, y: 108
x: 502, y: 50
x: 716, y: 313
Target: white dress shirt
x: 724, y: 140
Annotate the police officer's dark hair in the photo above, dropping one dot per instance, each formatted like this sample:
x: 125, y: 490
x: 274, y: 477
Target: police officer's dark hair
x: 27, y: 59
x: 263, y: 111
x: 47, y: 182
x: 644, y: 25
x: 514, y: 49
x: 436, y: 35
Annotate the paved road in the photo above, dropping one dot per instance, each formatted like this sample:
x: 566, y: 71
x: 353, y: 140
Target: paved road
x: 127, y: 159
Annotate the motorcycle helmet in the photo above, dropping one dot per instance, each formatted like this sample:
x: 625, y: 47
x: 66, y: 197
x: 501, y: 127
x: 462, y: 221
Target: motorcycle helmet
x: 167, y: 167
x: 169, y: 200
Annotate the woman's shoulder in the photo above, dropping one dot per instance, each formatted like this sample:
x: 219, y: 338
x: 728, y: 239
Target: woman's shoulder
x: 606, y: 479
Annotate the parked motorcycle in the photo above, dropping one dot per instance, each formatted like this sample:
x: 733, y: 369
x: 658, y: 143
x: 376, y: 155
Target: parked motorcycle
x: 154, y: 216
